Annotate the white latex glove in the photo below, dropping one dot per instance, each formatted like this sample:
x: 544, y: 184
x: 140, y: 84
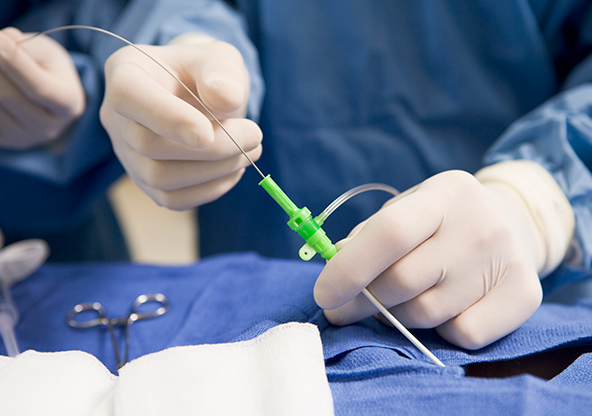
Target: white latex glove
x: 175, y: 153
x: 40, y: 91
x: 450, y: 253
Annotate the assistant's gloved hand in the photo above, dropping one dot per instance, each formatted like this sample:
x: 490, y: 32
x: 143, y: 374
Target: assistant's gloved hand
x: 166, y: 143
x: 40, y: 91
x: 454, y: 253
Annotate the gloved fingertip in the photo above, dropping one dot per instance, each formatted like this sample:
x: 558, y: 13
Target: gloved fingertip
x: 13, y: 33
x: 223, y: 94
x: 335, y: 317
x: 197, y: 135
x: 7, y: 45
x: 223, y: 85
x: 319, y: 295
x: 467, y: 338
x: 325, y: 294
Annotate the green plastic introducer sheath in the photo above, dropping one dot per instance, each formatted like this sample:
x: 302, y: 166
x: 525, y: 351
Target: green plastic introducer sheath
x: 302, y: 222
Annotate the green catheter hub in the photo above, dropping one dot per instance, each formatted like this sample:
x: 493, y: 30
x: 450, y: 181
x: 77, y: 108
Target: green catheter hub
x: 302, y: 222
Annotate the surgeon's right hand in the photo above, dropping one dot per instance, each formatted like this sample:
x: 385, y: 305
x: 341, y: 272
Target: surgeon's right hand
x: 167, y: 144
x: 40, y: 91
x: 460, y: 253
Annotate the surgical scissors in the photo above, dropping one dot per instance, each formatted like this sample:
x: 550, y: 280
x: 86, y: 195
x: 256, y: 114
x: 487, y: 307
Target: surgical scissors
x: 125, y: 321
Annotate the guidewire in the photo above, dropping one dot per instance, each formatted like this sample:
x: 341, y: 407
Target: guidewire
x: 301, y: 220
x: 96, y: 29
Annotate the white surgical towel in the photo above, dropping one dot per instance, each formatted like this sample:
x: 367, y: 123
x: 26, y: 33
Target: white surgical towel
x: 281, y: 372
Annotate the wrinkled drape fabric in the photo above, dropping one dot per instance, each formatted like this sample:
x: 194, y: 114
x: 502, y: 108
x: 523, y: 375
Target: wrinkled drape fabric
x: 371, y: 368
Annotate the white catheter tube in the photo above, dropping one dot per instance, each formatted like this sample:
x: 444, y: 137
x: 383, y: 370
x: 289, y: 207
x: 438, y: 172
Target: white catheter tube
x: 389, y: 316
x: 401, y: 328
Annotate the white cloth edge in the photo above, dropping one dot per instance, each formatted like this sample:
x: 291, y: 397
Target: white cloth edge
x: 281, y: 372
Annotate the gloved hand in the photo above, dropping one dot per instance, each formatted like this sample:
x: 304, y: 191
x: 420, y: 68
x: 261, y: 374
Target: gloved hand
x: 166, y: 143
x: 40, y: 91
x: 454, y: 254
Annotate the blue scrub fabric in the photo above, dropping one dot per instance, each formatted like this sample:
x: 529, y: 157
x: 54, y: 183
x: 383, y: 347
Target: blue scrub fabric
x: 372, y: 369
x: 360, y: 91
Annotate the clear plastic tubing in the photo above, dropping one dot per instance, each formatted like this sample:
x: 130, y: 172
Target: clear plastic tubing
x: 8, y: 318
x: 320, y: 219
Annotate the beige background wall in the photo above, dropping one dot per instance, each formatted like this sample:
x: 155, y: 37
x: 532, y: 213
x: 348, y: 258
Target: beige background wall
x: 154, y: 234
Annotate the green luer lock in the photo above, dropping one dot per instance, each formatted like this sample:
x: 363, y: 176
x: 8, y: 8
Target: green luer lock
x: 301, y: 221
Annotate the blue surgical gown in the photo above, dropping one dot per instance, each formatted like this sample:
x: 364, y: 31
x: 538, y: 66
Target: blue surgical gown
x: 396, y: 91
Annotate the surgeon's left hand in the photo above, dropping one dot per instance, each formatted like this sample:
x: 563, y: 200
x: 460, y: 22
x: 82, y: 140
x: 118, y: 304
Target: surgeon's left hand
x: 40, y: 91
x: 450, y: 253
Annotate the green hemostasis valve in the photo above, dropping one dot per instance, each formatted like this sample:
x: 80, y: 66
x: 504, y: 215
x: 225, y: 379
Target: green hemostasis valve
x: 302, y: 222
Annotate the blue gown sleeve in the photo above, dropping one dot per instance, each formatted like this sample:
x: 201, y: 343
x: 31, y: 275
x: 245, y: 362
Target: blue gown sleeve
x: 558, y: 136
x: 71, y: 173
